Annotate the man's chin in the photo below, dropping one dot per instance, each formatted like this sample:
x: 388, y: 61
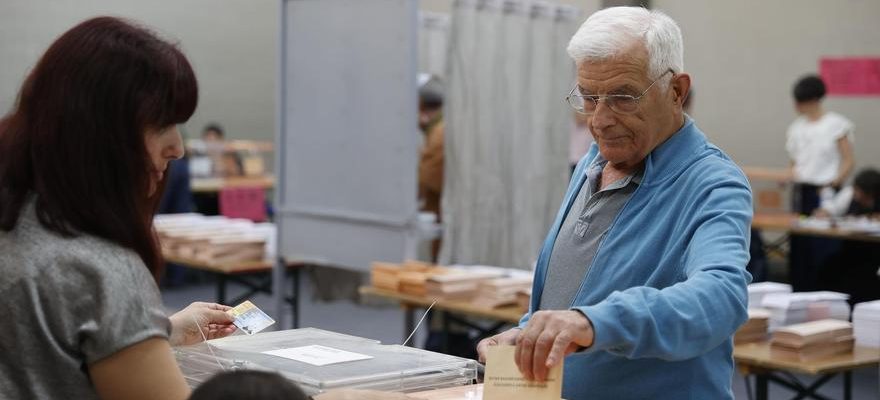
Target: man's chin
x: 615, y: 154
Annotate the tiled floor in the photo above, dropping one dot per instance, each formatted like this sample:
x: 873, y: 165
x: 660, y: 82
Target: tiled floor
x: 385, y: 322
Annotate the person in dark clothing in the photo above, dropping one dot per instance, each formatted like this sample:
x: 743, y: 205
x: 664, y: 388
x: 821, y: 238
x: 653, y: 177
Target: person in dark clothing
x: 854, y: 268
x: 176, y: 199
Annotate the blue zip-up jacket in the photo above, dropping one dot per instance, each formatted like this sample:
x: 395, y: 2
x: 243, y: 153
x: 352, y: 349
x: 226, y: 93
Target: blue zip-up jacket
x: 667, y: 287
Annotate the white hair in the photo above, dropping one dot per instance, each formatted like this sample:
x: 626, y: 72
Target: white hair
x: 611, y: 32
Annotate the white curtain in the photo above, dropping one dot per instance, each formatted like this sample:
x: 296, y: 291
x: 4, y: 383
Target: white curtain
x: 507, y: 128
x: 433, y: 43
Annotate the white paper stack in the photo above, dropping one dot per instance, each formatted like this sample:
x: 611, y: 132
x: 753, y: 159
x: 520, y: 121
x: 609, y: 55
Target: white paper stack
x: 501, y: 292
x: 866, y: 324
x: 812, y: 340
x: 755, y: 329
x: 794, y: 308
x: 215, y: 239
x: 757, y: 291
x: 458, y: 284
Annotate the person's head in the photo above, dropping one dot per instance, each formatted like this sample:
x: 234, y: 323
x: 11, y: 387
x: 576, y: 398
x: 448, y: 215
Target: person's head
x: 251, y: 385
x: 866, y: 189
x: 630, y: 53
x: 430, y: 102
x: 808, y: 93
x: 93, y: 130
x: 212, y: 133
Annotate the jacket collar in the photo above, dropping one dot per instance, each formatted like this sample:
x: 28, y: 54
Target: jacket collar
x: 673, y: 155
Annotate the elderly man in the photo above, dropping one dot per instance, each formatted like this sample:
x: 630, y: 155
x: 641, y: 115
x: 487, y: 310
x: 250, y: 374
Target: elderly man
x: 641, y: 281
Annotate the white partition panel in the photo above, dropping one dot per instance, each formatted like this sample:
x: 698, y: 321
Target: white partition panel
x: 347, y: 131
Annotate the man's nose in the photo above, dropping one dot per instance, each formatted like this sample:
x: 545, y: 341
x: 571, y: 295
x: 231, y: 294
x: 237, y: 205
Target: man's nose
x: 603, y: 116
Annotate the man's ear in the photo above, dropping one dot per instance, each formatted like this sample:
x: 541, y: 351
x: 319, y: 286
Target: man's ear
x: 681, y: 86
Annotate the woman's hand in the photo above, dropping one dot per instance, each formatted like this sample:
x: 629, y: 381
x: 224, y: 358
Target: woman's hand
x: 209, y: 319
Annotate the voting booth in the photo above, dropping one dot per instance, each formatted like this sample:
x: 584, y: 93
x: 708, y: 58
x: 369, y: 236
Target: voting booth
x: 347, y: 136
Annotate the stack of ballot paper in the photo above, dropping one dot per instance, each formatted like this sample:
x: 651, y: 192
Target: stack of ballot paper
x: 410, y: 277
x: 524, y: 298
x: 813, y: 340
x: 757, y: 291
x: 214, y: 239
x: 866, y: 324
x: 794, y: 308
x: 384, y: 275
x: 755, y: 329
x: 457, y: 284
x: 501, y: 291
x: 415, y: 274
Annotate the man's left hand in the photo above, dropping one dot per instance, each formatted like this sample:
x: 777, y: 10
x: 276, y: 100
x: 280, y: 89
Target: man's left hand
x: 547, y: 338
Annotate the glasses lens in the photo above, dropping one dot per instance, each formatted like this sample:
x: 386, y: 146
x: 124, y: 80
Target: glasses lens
x: 577, y: 102
x: 590, y: 104
x: 623, y: 104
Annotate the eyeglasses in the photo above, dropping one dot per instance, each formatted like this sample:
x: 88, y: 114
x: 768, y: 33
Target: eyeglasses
x: 619, y: 103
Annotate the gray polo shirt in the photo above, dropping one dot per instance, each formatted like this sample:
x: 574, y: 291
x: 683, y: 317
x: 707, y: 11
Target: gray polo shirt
x: 582, y: 232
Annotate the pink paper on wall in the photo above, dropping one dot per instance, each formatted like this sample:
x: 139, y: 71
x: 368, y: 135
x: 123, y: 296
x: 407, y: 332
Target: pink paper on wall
x: 851, y: 76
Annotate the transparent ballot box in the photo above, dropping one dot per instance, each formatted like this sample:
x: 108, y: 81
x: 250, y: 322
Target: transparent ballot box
x: 386, y: 367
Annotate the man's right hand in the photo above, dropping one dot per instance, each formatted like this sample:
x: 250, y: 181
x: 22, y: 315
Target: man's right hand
x: 507, y: 337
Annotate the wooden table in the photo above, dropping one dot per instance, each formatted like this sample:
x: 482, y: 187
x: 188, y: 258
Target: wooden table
x: 778, y: 175
x: 450, y: 309
x: 787, y: 222
x: 213, y: 185
x: 468, y: 392
x: 256, y: 276
x: 756, y: 359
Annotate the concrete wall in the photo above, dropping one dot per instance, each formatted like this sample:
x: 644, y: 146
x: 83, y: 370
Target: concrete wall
x: 232, y: 45
x: 744, y: 57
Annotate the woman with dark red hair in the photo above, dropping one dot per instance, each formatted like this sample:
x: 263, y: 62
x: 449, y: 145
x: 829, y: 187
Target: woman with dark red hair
x: 82, y: 157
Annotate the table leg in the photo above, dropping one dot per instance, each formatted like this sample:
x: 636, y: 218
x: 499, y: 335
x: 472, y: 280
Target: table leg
x: 295, y: 299
x: 749, y: 393
x: 445, y: 344
x: 847, y: 385
x: 221, y: 289
x: 761, y: 386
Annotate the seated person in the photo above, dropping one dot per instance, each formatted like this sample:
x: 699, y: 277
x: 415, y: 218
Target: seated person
x: 853, y: 269
x: 226, y: 163
x: 862, y: 198
x: 78, y: 253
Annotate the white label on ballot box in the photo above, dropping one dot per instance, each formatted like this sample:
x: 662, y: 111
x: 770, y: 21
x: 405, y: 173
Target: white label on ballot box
x: 318, y: 355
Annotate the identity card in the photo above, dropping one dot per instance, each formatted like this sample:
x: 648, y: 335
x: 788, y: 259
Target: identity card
x: 249, y: 318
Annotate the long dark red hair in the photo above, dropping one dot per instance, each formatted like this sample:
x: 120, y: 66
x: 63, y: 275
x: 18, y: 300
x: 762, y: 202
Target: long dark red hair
x: 75, y: 138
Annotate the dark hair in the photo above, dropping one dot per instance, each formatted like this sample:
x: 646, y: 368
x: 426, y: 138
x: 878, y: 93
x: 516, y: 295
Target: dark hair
x: 868, y: 181
x: 75, y: 138
x: 256, y: 385
x: 431, y: 94
x: 809, y: 88
x: 214, y: 127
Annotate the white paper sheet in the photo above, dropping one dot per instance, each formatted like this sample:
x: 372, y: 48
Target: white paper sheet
x: 318, y: 355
